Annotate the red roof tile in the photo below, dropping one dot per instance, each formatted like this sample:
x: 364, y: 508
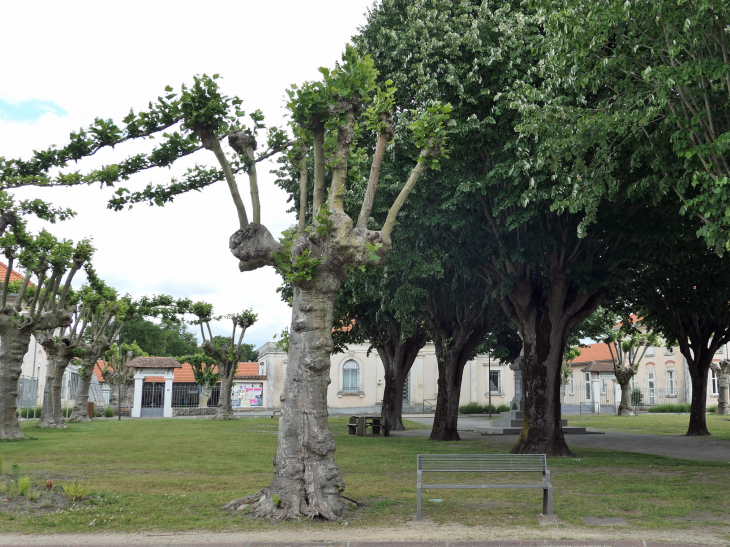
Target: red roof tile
x: 185, y: 372
x: 14, y: 276
x: 594, y: 352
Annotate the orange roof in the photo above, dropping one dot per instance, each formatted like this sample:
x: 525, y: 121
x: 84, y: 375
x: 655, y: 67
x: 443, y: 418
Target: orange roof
x: 185, y: 373
x: 14, y: 276
x: 594, y: 352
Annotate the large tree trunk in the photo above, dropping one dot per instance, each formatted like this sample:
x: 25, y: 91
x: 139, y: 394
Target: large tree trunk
x: 398, y: 357
x: 306, y: 480
x: 80, y: 411
x: 52, y: 413
x: 446, y: 418
x: 204, y: 397
x: 625, y: 408
x: 698, y: 407
x: 13, y: 346
x: 224, y: 411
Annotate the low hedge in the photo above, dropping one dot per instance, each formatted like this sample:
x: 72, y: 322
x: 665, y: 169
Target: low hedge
x: 476, y: 408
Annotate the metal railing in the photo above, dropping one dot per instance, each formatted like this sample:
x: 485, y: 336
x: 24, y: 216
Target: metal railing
x: 429, y: 405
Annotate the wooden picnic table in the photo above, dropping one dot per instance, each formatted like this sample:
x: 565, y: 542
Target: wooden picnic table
x: 358, y: 425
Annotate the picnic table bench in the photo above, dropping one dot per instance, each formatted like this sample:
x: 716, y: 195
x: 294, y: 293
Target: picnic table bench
x: 358, y: 426
x: 485, y: 463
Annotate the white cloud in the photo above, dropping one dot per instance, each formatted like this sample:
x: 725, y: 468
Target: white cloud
x: 101, y: 59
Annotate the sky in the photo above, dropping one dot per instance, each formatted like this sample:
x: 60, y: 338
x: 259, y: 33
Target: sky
x: 66, y: 63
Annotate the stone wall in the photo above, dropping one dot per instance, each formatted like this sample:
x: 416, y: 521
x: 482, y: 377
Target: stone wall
x: 185, y: 411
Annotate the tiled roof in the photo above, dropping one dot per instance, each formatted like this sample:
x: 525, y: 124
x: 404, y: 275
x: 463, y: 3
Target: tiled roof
x: 154, y: 362
x: 185, y: 372
x: 599, y: 366
x: 594, y: 352
x: 14, y: 276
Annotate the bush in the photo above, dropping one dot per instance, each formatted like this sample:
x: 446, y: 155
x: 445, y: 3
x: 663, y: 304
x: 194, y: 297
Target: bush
x: 28, y: 412
x: 24, y: 486
x: 711, y: 409
x: 75, y: 491
x: 66, y: 412
x: 637, y: 397
x: 109, y: 412
x: 476, y: 408
x: 669, y: 407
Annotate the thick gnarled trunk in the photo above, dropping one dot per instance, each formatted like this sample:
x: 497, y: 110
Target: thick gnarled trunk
x: 307, y: 482
x: 204, y: 397
x: 625, y: 408
x: 224, y: 411
x: 13, y: 346
x: 398, y: 357
x: 446, y: 417
x: 52, y: 413
x: 80, y: 411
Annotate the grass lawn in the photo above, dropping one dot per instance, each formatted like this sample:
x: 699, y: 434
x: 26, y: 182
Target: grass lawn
x: 176, y: 474
x: 660, y: 424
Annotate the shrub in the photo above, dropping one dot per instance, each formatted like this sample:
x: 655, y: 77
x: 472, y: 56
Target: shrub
x: 46, y: 503
x: 29, y: 412
x: 66, y: 412
x: 671, y: 407
x: 109, y: 412
x: 33, y: 495
x: 476, y: 408
x: 75, y: 491
x: 24, y: 486
x: 711, y: 409
x: 11, y: 493
x: 637, y: 397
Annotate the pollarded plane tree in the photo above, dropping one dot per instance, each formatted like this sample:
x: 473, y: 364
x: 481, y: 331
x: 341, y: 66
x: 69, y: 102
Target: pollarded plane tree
x: 41, y: 305
x: 205, y: 373
x: 628, y: 346
x: 104, y: 325
x: 225, y: 356
x: 118, y: 376
x: 327, y: 116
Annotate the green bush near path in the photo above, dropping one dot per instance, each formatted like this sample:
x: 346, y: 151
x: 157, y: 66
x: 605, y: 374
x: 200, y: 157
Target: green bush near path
x: 174, y: 475
x: 674, y: 408
x: 476, y: 408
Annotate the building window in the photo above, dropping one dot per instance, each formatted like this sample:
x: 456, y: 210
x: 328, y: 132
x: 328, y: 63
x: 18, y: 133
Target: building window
x: 261, y: 369
x: 668, y: 351
x: 649, y: 352
x: 671, y: 383
x: 350, y: 372
x: 588, y: 385
x: 713, y: 382
x: 495, y: 386
x: 572, y: 383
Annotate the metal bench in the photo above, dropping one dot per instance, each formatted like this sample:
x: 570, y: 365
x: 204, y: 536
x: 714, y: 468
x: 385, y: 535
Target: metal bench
x: 485, y: 463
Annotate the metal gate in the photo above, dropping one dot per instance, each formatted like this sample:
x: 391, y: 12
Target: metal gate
x: 153, y: 400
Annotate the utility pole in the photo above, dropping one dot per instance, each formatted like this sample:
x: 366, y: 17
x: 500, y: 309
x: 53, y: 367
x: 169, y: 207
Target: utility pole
x: 489, y: 380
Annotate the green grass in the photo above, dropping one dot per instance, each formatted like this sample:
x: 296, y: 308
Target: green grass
x: 660, y: 424
x: 175, y: 475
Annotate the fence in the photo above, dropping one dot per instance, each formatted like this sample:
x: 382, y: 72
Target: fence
x: 578, y: 399
x: 27, y: 395
x: 189, y: 395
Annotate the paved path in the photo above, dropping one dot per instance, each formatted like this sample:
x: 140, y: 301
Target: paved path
x: 673, y: 446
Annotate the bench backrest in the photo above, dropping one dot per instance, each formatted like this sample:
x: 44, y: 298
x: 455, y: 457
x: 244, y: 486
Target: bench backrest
x: 445, y: 463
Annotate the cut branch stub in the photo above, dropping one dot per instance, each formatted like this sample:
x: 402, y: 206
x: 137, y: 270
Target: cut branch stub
x: 254, y: 247
x: 241, y: 142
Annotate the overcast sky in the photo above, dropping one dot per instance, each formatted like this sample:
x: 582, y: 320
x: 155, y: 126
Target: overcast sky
x: 65, y: 63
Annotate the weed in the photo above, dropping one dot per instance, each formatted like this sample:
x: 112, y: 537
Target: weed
x: 33, y: 495
x: 277, y: 500
x: 49, y: 484
x: 15, y: 472
x: 1, y: 464
x: 75, y: 491
x: 11, y: 493
x: 46, y: 503
x: 24, y: 486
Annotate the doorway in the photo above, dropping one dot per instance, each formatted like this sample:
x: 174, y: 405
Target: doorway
x: 153, y: 400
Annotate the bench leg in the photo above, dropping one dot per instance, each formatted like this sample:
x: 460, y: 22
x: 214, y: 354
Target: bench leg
x: 361, y: 427
x: 547, y: 500
x: 418, y: 497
